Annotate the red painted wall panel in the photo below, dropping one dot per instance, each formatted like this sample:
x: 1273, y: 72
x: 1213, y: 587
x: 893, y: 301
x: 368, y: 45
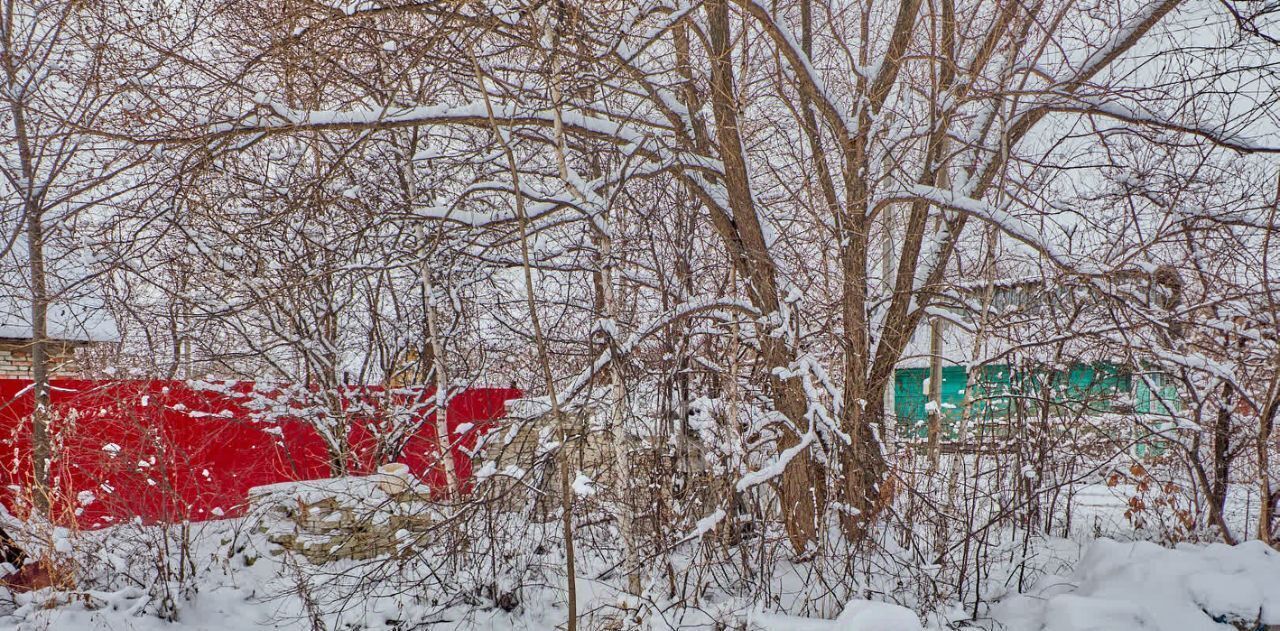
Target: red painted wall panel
x: 167, y: 451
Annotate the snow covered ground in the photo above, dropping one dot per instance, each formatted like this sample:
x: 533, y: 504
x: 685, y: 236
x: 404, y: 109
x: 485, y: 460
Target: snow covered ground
x: 1078, y: 584
x: 1139, y: 585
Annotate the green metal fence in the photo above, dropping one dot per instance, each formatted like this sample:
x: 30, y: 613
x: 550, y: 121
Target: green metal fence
x: 999, y: 389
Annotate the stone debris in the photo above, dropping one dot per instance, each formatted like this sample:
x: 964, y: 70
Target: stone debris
x: 350, y: 518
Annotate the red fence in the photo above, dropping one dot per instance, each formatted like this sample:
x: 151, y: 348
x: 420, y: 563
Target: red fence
x: 170, y: 451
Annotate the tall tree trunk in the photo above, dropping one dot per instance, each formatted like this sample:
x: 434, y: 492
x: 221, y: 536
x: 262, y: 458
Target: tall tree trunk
x: 33, y: 212
x: 561, y: 419
x: 1221, y: 460
x: 41, y: 450
x: 618, y: 414
x: 863, y: 408
x: 803, y: 486
x: 1266, y: 426
x: 443, y: 437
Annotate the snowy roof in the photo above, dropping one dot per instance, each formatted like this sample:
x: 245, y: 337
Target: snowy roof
x: 529, y: 408
x: 957, y: 347
x: 75, y: 318
x: 960, y: 345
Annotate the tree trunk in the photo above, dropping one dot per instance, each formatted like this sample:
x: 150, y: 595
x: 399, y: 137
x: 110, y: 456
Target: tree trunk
x: 33, y: 213
x: 618, y: 411
x: 864, y: 466
x: 443, y: 437
x: 1266, y: 514
x: 802, y: 491
x: 41, y: 450
x: 1221, y: 461
x: 544, y: 360
x: 1266, y: 427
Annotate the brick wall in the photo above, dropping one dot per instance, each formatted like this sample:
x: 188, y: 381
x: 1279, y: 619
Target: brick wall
x: 15, y: 359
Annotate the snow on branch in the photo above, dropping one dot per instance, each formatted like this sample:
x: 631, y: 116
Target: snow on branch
x: 280, y: 118
x: 1219, y: 136
x: 1123, y: 39
x: 775, y: 468
x: 803, y: 67
x: 1014, y: 226
x: 806, y: 368
x: 678, y: 312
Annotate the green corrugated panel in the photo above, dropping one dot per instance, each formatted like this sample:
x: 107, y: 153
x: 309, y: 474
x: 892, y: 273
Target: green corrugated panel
x: 910, y: 396
x: 1096, y: 385
x: 1087, y: 388
x: 1164, y: 403
x: 991, y: 392
x: 1091, y: 388
x: 954, y: 380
